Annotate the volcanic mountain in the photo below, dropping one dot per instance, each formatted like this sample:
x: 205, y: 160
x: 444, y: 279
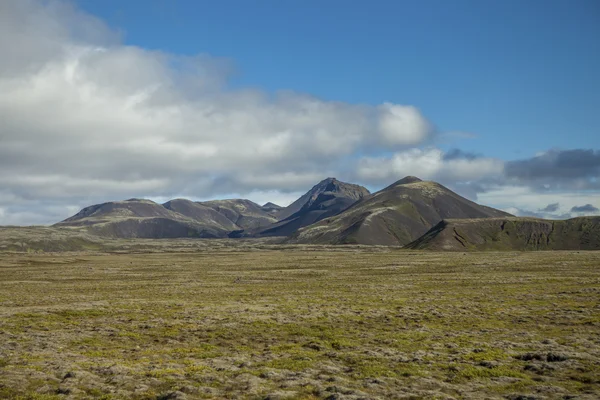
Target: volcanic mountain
x: 582, y: 233
x: 327, y: 198
x: 396, y: 215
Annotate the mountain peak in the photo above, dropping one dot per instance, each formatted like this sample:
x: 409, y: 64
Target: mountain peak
x: 271, y: 205
x: 137, y: 200
x: 408, y: 179
x: 342, y: 189
x: 327, y: 181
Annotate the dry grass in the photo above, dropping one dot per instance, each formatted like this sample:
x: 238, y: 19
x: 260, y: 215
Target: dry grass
x: 301, y: 323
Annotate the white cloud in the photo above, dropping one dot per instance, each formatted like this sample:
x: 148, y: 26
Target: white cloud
x: 403, y: 125
x: 86, y: 118
x: 427, y: 164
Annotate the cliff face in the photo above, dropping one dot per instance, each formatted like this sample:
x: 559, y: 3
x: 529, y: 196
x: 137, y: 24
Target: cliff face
x: 514, y: 233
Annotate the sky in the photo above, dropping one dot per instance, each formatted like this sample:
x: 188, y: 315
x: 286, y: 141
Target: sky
x: 104, y: 100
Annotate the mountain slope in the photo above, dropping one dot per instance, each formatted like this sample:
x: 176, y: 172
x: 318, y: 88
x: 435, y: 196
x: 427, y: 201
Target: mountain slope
x: 201, y: 214
x: 244, y: 213
x: 328, y: 198
x: 396, y: 215
x: 581, y: 233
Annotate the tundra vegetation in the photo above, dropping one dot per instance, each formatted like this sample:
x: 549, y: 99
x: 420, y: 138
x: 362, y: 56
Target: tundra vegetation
x: 222, y: 319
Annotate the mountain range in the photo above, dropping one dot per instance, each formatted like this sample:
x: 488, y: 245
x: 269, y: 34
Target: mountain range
x: 410, y: 212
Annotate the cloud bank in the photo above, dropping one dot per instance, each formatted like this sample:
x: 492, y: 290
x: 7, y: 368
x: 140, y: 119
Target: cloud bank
x: 86, y: 118
x: 430, y: 164
x: 551, y: 207
x: 577, y: 169
x: 588, y: 208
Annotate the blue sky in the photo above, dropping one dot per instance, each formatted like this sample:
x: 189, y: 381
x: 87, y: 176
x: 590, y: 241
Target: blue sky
x: 521, y: 75
x: 106, y: 100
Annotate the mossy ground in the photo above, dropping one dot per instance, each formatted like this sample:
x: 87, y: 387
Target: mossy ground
x: 301, y: 324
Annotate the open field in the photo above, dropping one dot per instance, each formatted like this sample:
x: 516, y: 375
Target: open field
x: 300, y: 323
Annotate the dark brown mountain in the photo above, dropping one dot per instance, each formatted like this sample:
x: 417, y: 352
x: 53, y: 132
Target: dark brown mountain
x: 332, y: 185
x: 328, y: 198
x: 132, y: 208
x: 515, y: 233
x: 396, y: 215
x: 139, y: 218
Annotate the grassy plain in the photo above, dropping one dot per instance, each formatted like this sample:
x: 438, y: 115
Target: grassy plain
x: 300, y: 323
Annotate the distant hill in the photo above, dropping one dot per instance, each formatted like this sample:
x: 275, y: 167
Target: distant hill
x: 582, y: 233
x: 328, y: 198
x: 396, y: 215
x: 132, y: 208
x: 139, y: 218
